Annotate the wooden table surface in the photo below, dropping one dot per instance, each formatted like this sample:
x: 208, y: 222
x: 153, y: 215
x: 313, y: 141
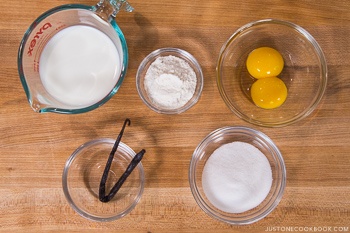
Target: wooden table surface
x: 34, y: 147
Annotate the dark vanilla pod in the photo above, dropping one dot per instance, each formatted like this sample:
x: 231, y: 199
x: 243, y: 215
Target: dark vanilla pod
x: 137, y: 158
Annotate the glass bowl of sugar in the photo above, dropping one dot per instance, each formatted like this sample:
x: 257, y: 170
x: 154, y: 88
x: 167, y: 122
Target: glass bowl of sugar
x: 169, y: 81
x: 237, y: 175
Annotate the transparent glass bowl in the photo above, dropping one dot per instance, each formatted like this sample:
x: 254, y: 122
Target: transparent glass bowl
x: 304, y: 73
x: 142, y: 70
x: 256, y: 138
x: 82, y: 175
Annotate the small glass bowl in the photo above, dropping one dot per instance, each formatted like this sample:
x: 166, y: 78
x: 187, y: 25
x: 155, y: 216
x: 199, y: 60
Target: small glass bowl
x: 82, y: 175
x: 256, y: 138
x: 304, y: 72
x: 145, y: 64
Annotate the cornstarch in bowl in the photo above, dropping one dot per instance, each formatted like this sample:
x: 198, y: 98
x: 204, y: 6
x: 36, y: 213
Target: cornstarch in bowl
x: 170, y: 82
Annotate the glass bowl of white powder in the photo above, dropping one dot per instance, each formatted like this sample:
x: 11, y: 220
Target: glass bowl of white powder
x: 237, y: 175
x: 169, y: 81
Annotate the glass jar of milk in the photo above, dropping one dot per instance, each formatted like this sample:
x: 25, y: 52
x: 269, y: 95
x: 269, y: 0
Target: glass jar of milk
x: 73, y: 58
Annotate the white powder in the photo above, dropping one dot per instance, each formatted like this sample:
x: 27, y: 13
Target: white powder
x: 170, y: 82
x: 237, y: 177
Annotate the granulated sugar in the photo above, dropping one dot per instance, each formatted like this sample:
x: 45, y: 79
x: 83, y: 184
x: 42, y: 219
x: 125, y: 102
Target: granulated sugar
x: 170, y: 82
x: 237, y: 177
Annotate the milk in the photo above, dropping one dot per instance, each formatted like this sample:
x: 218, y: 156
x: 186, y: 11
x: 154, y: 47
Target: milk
x: 79, y: 66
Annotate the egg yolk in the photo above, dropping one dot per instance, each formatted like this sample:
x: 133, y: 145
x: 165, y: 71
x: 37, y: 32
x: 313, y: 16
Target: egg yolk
x: 264, y: 62
x: 269, y: 93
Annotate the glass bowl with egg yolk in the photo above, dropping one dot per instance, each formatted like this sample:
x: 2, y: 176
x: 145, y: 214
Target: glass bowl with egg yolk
x: 295, y: 84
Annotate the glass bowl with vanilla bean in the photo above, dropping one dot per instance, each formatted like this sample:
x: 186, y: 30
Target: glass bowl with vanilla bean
x: 82, y: 177
x: 237, y: 175
x: 169, y: 81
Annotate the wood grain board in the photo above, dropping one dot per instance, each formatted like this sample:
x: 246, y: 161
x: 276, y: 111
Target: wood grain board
x: 34, y: 147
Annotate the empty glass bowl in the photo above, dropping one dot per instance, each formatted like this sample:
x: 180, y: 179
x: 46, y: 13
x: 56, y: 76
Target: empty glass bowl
x: 262, y: 142
x: 144, y: 66
x: 304, y: 73
x: 82, y: 175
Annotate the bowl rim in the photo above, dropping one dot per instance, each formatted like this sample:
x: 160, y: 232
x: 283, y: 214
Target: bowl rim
x: 323, y: 73
x: 279, y: 190
x: 180, y: 53
x: 71, y: 159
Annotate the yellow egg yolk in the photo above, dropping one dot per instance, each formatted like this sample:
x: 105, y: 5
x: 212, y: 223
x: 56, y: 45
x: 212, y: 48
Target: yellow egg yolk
x: 268, y: 92
x: 264, y: 62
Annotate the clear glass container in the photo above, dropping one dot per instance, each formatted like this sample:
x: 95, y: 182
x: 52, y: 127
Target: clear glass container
x: 145, y: 64
x: 304, y: 72
x: 259, y: 140
x: 101, y: 17
x: 82, y: 175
